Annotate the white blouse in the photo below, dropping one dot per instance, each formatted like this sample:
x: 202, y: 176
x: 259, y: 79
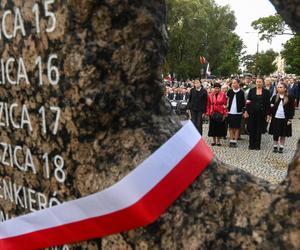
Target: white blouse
x: 233, y: 108
x: 280, y: 111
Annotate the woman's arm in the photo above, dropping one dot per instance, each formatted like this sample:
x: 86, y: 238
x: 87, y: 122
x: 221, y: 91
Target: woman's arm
x: 268, y: 103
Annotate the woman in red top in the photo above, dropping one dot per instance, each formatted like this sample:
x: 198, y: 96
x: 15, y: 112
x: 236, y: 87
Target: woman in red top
x: 217, y: 111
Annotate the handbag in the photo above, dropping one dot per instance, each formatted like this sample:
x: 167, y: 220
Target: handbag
x: 216, y: 117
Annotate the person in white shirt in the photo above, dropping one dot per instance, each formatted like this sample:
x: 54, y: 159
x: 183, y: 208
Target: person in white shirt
x: 283, y: 111
x: 236, y: 105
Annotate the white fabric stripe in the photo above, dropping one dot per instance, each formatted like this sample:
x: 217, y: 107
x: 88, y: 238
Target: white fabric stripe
x: 121, y: 195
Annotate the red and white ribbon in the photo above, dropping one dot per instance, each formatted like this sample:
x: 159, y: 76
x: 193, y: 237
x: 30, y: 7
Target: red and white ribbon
x: 136, y: 200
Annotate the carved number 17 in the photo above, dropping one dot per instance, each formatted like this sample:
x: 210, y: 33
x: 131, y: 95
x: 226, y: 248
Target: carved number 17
x: 57, y: 117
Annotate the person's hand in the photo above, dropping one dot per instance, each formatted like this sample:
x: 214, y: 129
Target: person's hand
x: 289, y: 122
x: 269, y: 118
x: 246, y: 115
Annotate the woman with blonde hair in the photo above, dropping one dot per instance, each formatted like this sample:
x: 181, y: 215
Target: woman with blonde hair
x: 269, y: 86
x: 283, y: 111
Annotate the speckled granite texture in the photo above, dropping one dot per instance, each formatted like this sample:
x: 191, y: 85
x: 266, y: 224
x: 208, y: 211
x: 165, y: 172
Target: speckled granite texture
x: 113, y: 116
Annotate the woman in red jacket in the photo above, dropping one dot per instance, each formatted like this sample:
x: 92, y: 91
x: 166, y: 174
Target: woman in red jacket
x: 217, y: 111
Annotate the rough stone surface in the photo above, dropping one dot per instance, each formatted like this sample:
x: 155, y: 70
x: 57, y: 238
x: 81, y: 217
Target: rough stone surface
x: 113, y: 117
x: 109, y: 55
x: 290, y: 11
x: 110, y: 95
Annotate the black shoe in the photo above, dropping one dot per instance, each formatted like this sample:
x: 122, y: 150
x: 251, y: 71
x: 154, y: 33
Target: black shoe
x: 280, y: 151
x: 231, y: 144
x: 251, y: 148
x: 219, y: 144
x: 275, y: 149
x: 213, y: 144
x: 235, y: 145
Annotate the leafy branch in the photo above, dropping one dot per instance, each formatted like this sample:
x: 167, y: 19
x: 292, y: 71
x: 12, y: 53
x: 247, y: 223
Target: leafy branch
x: 271, y: 26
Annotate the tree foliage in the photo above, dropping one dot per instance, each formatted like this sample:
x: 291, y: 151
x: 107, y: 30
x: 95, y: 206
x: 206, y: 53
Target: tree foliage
x: 270, y: 26
x: 201, y: 28
x: 261, y: 63
x: 291, y: 54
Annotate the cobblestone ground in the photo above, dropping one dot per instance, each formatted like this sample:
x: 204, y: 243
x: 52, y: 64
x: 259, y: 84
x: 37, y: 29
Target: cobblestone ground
x: 264, y: 163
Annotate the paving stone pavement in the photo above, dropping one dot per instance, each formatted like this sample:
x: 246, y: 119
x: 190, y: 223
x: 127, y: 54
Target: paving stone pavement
x: 263, y: 163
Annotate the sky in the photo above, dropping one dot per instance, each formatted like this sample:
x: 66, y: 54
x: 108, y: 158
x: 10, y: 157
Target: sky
x: 246, y: 11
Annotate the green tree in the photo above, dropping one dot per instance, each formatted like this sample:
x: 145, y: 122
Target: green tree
x: 249, y: 62
x: 265, y: 64
x: 261, y: 63
x: 271, y: 26
x: 230, y: 56
x: 201, y: 28
x: 291, y: 54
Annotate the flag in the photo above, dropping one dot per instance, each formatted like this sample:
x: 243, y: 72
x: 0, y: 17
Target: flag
x: 208, y: 71
x: 135, y: 201
x: 202, y: 60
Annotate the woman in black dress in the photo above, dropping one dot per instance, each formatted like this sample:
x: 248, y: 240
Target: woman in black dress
x: 283, y: 111
x: 258, y: 111
x: 197, y: 105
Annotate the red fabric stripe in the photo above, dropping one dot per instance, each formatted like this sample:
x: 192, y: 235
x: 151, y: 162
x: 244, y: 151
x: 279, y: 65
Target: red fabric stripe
x: 145, y: 211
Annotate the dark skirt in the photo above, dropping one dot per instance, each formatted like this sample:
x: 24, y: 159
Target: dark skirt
x: 256, y: 123
x: 234, y: 121
x: 216, y: 129
x: 279, y: 127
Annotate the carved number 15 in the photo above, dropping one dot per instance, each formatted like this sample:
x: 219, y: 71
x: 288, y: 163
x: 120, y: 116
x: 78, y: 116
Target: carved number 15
x: 48, y: 14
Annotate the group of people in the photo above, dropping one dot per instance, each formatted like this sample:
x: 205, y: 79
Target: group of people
x: 243, y: 107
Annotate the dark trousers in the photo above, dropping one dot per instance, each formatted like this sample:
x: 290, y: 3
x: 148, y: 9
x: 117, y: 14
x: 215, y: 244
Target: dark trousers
x: 197, y: 120
x: 256, y: 126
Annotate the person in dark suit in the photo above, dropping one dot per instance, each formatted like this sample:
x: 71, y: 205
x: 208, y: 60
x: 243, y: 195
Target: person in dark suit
x: 197, y: 105
x: 283, y: 111
x: 184, y: 95
x: 178, y: 96
x: 293, y: 89
x: 257, y: 112
x: 173, y: 94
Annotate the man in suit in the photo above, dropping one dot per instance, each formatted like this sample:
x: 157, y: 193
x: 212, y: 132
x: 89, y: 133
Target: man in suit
x: 249, y: 84
x: 182, y: 94
x: 293, y: 89
x: 185, y: 95
x: 172, y: 94
x: 179, y: 94
x: 197, y: 105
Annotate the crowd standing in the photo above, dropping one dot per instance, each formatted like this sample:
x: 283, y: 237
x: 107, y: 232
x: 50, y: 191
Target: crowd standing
x: 238, y: 106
